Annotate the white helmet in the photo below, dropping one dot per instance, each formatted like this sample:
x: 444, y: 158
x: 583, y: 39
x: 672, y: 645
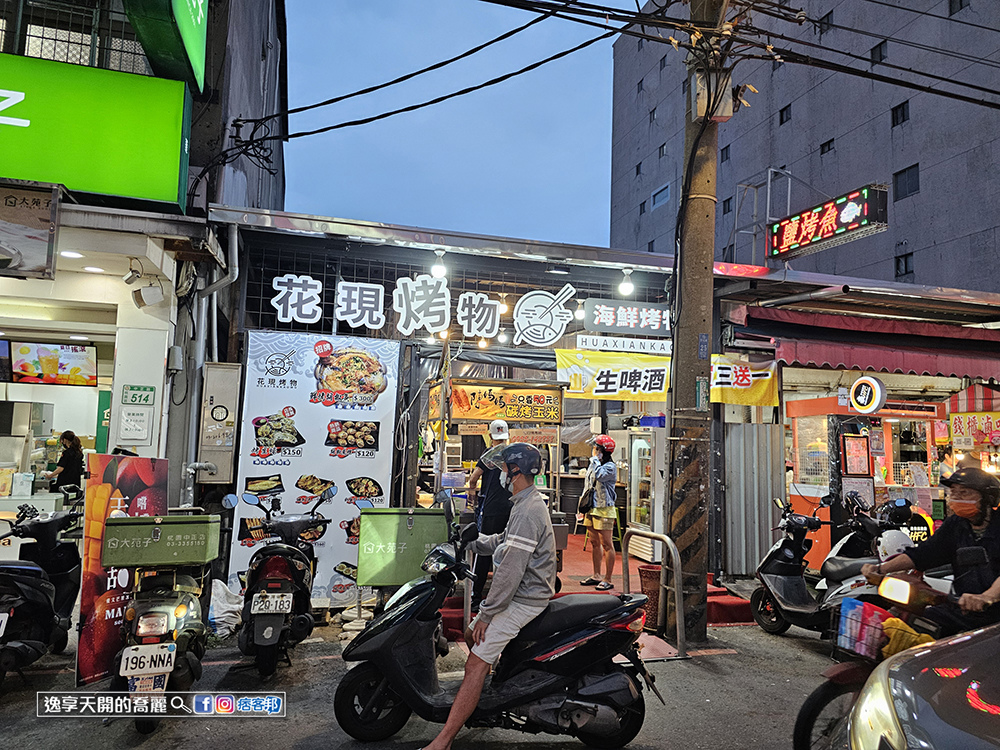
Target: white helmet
x: 891, y: 543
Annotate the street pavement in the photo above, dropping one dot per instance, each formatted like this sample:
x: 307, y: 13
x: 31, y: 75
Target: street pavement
x: 740, y: 691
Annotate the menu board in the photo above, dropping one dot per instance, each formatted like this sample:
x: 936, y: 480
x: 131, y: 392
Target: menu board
x: 53, y: 364
x: 319, y: 414
x: 857, y: 460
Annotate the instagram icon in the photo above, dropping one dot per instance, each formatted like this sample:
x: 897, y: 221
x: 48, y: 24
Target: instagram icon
x: 225, y: 704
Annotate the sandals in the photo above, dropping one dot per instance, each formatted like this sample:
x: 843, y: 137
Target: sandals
x: 605, y: 586
x: 590, y: 581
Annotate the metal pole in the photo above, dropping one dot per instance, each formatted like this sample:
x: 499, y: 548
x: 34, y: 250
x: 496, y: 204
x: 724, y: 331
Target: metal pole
x: 675, y: 563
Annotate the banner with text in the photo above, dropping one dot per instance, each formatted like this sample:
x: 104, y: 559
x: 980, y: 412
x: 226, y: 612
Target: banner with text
x: 485, y: 402
x: 319, y: 412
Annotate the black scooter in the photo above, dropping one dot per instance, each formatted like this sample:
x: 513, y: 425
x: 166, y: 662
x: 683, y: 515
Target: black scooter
x: 38, y: 591
x: 557, y: 676
x: 277, y: 599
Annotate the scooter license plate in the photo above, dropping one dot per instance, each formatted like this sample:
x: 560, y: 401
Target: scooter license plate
x: 271, y: 604
x: 3, y: 622
x: 151, y: 659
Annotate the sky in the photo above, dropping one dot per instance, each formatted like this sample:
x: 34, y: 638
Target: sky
x: 529, y: 158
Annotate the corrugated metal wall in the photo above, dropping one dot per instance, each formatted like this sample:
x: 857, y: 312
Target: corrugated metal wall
x: 755, y: 475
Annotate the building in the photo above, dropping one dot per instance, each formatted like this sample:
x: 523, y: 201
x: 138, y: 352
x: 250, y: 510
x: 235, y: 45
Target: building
x: 129, y: 178
x: 824, y: 134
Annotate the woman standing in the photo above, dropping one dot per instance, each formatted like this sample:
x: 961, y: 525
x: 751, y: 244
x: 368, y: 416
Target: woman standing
x: 600, y: 520
x: 70, y: 468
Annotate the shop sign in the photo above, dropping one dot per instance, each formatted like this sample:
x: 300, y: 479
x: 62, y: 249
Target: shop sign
x: 29, y: 228
x: 323, y: 420
x: 738, y: 382
x: 173, y: 34
x: 471, y: 401
x: 540, y: 317
x: 969, y: 429
x: 139, y: 394
x: 299, y: 299
x: 87, y: 128
x: 851, y: 216
x: 623, y: 344
x: 616, y: 316
x: 868, y: 395
x: 361, y: 305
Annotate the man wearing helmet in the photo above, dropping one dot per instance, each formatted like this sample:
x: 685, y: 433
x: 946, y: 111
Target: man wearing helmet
x: 493, y: 510
x: 524, y: 580
x: 973, y: 496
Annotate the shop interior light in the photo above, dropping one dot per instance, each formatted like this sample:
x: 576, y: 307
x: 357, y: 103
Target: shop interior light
x: 502, y: 338
x: 79, y: 338
x: 483, y: 343
x: 93, y: 269
x: 626, y: 287
x: 558, y: 270
x: 503, y: 304
x: 430, y: 339
x: 71, y: 254
x: 579, y: 314
x: 443, y: 334
x: 438, y: 270
x: 959, y: 456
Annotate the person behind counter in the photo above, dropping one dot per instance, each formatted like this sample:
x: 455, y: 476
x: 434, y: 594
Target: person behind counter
x: 493, y: 510
x: 600, y: 520
x: 70, y: 467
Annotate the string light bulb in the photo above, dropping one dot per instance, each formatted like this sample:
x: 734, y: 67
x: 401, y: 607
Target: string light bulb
x: 579, y: 314
x: 438, y: 270
x: 443, y: 334
x: 502, y: 338
x: 483, y: 343
x: 503, y: 304
x: 626, y: 287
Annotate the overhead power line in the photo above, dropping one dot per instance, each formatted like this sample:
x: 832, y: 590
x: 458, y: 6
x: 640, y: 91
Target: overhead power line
x: 928, y: 14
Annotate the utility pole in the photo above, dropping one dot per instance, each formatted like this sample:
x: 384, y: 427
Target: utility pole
x: 689, y: 493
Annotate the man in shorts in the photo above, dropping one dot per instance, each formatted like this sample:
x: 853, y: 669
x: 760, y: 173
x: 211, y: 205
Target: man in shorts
x: 524, y: 580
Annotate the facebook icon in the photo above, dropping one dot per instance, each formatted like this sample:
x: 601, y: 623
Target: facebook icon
x: 204, y: 704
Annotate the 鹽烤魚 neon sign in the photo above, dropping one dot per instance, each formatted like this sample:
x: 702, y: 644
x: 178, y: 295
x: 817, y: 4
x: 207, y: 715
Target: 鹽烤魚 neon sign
x: 857, y: 214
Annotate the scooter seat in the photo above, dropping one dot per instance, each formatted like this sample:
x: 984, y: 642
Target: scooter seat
x: 567, y: 612
x: 841, y: 568
x: 23, y: 568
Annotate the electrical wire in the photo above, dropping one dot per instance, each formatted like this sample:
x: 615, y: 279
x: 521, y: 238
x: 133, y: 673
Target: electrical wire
x: 928, y: 14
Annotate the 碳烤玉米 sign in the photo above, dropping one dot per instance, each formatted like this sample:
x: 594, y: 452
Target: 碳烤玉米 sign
x: 851, y: 216
x: 93, y: 130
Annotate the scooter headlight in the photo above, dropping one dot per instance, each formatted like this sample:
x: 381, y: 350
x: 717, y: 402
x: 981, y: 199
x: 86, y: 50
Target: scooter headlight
x: 439, y: 558
x: 873, y: 718
x: 151, y: 623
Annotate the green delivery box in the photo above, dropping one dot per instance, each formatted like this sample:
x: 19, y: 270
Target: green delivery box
x: 149, y: 541
x: 393, y: 542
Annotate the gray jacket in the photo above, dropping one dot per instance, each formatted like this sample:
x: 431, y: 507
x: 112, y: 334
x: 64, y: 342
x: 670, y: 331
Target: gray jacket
x: 524, y: 556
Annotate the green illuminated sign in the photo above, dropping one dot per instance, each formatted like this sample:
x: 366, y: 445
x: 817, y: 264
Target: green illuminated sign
x: 173, y: 35
x: 94, y: 131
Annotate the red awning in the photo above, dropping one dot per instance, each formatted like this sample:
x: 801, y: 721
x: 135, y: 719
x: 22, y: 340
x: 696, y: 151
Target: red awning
x: 852, y: 356
x: 975, y: 398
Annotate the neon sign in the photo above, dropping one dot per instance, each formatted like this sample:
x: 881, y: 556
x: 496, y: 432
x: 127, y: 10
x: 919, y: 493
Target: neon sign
x: 857, y: 214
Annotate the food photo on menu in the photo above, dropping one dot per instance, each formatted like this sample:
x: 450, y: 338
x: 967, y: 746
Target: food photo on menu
x: 353, y: 375
x: 53, y: 364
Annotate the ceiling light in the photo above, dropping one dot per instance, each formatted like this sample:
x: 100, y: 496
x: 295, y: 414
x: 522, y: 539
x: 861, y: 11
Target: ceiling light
x: 626, y: 287
x: 579, y: 314
x: 559, y: 270
x: 80, y: 338
x: 93, y: 269
x: 483, y: 343
x: 438, y: 270
x: 503, y: 304
x: 443, y: 334
x: 430, y: 339
x: 502, y: 338
x: 71, y: 254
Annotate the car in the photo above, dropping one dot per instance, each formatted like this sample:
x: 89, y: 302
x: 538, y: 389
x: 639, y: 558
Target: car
x: 940, y: 696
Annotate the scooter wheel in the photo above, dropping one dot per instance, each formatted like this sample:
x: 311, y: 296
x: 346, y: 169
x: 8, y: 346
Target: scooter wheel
x: 821, y: 711
x: 356, y: 690
x: 766, y: 614
x: 630, y: 723
x: 146, y: 726
x: 267, y: 660
x: 60, y: 641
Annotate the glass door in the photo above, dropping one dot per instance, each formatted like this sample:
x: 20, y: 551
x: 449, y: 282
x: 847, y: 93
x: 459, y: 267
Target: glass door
x: 640, y: 485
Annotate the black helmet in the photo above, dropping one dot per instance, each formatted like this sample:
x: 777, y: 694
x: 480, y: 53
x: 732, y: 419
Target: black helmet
x: 525, y: 457
x: 982, y: 482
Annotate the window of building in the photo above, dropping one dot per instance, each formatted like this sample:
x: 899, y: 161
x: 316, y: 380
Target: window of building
x: 826, y: 23
x: 661, y: 196
x: 879, y: 52
x: 729, y: 253
x: 638, y: 169
x: 904, y: 264
x: 956, y: 5
x: 901, y: 113
x: 727, y: 205
x: 663, y: 62
x: 724, y: 154
x: 663, y: 150
x: 825, y: 148
x: 638, y: 87
x: 649, y: 246
x: 652, y: 115
x: 906, y: 182
x: 784, y: 114
x: 642, y: 208
x: 640, y: 45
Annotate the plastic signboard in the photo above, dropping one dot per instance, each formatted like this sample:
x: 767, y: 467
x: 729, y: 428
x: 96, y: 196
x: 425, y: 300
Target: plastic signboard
x: 395, y: 541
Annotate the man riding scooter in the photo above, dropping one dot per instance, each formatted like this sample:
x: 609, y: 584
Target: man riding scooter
x: 524, y: 580
x: 973, y: 496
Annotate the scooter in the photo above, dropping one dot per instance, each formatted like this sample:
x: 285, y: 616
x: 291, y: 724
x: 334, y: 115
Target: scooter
x: 557, y: 676
x: 38, y: 591
x: 825, y: 707
x: 164, y: 630
x: 277, y: 599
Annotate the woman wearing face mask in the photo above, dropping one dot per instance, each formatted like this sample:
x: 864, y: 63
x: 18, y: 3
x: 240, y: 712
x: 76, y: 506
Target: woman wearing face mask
x: 973, y: 521
x: 600, y: 520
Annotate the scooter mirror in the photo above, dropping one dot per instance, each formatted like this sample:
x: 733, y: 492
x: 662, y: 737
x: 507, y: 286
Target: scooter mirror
x: 250, y: 499
x: 230, y: 501
x: 443, y: 498
x: 826, y: 501
x: 779, y: 503
x: 325, y: 495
